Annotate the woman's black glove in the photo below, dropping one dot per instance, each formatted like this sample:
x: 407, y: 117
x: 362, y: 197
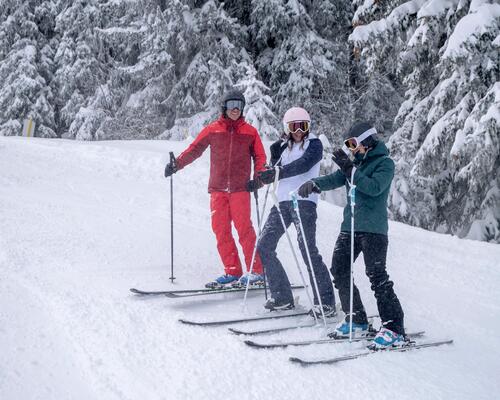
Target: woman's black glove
x: 267, y: 176
x: 340, y: 158
x: 307, y: 188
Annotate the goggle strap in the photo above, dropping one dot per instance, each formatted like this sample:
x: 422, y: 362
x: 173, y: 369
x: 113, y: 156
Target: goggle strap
x: 365, y: 134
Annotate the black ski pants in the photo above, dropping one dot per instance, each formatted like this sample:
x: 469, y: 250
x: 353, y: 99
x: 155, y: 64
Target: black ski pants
x: 279, y: 284
x: 374, y: 248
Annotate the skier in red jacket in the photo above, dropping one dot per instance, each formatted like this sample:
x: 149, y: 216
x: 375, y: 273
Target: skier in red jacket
x: 233, y: 145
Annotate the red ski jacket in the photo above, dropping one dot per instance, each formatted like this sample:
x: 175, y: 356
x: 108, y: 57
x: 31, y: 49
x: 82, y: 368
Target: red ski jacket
x: 233, y: 144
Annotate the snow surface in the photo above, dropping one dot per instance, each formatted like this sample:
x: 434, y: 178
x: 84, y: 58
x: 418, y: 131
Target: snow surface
x: 82, y: 222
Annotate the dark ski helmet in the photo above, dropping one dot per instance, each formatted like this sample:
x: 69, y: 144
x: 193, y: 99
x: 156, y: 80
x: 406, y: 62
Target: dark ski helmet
x: 364, y: 133
x: 233, y: 94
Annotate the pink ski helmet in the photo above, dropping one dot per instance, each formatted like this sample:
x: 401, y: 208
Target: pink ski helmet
x: 296, y: 114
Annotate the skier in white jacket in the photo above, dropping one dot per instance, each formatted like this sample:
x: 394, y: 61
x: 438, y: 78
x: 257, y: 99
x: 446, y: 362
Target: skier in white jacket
x: 298, y: 159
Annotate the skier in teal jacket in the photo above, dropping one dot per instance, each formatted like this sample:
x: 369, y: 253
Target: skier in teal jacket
x: 371, y: 172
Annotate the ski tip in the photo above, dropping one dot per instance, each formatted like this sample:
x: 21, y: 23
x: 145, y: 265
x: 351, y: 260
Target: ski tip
x: 188, y: 322
x: 136, y: 291
x: 256, y: 345
x: 235, y: 331
x: 199, y: 323
x: 299, y: 361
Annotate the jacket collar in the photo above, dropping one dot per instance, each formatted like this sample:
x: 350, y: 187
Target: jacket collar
x: 229, y: 123
x: 378, y: 151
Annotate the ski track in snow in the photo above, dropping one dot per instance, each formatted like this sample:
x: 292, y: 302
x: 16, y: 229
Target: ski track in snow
x: 83, y: 222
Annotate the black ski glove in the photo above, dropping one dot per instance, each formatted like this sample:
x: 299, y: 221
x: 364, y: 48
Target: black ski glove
x: 340, y: 158
x: 267, y: 176
x: 307, y: 188
x: 170, y: 169
x: 253, y: 185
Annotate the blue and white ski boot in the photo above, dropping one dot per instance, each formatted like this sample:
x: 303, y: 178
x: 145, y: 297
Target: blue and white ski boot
x: 221, y: 281
x: 358, y: 330
x: 386, y: 338
x: 255, y: 280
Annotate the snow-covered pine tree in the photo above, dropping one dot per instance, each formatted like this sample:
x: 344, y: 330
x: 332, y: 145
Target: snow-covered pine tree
x: 446, y: 144
x: 258, y: 105
x: 215, y: 63
x: 25, y: 63
x: 80, y: 70
x: 335, y: 97
x: 144, y: 78
x: 300, y: 66
x: 380, y: 34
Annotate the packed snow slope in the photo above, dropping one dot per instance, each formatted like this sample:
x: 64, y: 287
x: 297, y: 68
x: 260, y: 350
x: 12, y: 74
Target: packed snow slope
x: 81, y: 223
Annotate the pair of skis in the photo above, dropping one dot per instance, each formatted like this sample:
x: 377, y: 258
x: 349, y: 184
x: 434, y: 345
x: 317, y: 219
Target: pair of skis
x: 410, y: 345
x: 368, y: 351
x: 199, y: 292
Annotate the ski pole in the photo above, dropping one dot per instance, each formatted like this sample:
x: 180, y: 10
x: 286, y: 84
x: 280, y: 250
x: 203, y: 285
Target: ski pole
x: 277, y: 205
x: 256, y: 195
x: 352, y: 195
x: 255, y: 251
x: 173, y: 162
x: 301, y: 234
x: 256, y: 242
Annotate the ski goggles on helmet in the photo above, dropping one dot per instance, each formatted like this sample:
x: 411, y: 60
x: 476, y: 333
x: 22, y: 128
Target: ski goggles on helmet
x: 232, y: 104
x: 296, y: 126
x: 351, y: 143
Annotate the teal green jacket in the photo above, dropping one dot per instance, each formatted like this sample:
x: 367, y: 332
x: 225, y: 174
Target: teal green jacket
x: 373, y: 177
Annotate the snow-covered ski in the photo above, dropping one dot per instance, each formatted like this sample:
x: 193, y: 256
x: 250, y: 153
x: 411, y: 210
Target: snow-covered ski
x: 281, y: 344
x: 305, y: 324
x: 270, y: 315
x: 367, y: 352
x: 197, y: 292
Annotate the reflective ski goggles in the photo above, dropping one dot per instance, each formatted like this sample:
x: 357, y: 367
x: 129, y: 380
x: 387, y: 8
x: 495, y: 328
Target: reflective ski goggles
x: 295, y: 126
x: 351, y: 143
x: 232, y: 104
x: 354, y: 142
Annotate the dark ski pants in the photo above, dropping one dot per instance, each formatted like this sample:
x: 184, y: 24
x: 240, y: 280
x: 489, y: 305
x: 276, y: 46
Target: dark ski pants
x: 279, y: 284
x: 374, y: 248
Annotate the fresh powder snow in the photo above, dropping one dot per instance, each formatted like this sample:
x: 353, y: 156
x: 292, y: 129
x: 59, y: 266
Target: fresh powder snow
x: 82, y: 222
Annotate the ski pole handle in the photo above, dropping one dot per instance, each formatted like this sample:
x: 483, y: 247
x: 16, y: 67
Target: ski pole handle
x: 352, y: 195
x: 173, y: 160
x: 295, y: 202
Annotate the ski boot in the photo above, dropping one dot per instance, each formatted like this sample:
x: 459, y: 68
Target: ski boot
x: 386, y: 338
x: 328, y: 311
x: 272, y: 305
x: 221, y: 281
x: 255, y: 280
x: 358, y: 330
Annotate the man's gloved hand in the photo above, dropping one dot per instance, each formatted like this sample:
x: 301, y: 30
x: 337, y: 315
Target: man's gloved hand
x: 170, y: 169
x: 267, y: 176
x: 253, y: 185
x: 341, y: 159
x: 307, y: 188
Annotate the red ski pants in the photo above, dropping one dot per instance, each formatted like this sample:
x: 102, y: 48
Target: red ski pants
x: 235, y: 208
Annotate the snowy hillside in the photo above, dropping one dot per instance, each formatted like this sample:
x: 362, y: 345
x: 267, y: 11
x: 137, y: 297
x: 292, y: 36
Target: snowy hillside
x: 81, y: 223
